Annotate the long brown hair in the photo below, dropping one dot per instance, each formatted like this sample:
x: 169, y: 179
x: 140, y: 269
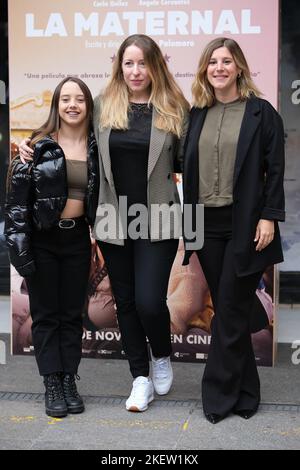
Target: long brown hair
x: 202, y: 90
x: 53, y: 122
x: 165, y: 94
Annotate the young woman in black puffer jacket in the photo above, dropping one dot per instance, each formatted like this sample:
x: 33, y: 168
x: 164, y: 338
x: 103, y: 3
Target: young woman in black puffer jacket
x: 51, y: 202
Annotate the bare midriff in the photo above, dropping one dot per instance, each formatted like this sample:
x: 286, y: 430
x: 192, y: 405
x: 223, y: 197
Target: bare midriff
x: 73, y: 208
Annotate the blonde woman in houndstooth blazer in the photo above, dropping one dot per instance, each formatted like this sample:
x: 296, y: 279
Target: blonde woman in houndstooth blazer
x: 140, y: 122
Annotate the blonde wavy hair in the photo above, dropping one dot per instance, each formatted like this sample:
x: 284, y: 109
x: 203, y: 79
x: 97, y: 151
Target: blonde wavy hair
x: 202, y: 90
x: 165, y: 94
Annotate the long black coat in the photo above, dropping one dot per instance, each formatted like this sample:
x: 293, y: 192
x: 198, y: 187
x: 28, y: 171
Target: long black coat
x: 257, y: 182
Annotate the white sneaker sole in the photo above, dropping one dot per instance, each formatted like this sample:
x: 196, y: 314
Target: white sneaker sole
x: 159, y: 392
x: 136, y: 409
x: 164, y: 391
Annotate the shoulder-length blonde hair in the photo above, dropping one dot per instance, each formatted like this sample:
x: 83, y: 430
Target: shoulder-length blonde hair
x: 52, y: 124
x: 202, y: 90
x: 165, y: 94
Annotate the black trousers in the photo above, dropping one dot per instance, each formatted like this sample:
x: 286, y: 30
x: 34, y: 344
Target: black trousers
x: 57, y: 293
x: 230, y: 380
x: 139, y: 275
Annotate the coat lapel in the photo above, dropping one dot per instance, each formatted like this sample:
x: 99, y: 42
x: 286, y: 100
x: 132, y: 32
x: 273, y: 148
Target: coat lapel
x: 250, y: 122
x: 157, y: 140
x: 191, y: 159
x: 104, y: 152
x: 197, y: 120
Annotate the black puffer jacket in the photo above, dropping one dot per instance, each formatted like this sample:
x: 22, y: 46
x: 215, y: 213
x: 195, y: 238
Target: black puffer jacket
x: 37, y: 194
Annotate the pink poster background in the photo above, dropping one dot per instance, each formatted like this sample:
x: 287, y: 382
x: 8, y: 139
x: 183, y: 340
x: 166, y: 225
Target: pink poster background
x: 52, y: 39
x: 55, y: 38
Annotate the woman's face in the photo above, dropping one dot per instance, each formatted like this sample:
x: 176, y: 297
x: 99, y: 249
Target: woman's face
x: 135, y: 72
x: 222, y: 72
x: 72, y: 104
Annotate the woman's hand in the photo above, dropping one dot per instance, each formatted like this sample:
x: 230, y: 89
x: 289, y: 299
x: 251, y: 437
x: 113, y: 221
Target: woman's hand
x: 264, y: 233
x: 25, y: 152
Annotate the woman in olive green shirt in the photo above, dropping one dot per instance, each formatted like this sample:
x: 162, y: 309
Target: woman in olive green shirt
x: 234, y: 165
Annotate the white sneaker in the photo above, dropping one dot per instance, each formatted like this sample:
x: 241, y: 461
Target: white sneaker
x: 142, y: 394
x: 162, y: 374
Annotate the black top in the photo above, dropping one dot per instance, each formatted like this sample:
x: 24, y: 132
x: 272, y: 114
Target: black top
x: 129, y: 150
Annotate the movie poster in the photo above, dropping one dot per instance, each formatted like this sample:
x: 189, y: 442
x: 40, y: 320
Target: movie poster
x: 54, y: 39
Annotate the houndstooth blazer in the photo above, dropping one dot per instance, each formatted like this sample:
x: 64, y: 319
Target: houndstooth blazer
x: 165, y: 158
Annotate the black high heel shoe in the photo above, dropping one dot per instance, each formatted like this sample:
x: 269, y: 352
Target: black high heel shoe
x: 246, y: 414
x: 213, y: 418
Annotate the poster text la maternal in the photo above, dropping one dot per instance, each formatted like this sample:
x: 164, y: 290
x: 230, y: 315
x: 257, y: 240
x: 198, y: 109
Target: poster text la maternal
x: 152, y: 23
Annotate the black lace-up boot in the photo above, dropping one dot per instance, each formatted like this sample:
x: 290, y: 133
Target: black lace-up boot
x: 72, y: 397
x: 54, y: 397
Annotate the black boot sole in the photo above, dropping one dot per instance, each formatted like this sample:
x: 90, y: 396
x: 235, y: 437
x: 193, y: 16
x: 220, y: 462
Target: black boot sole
x: 76, y: 409
x: 56, y: 414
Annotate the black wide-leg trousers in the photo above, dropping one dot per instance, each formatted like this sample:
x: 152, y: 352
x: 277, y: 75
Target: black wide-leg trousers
x: 139, y: 274
x: 230, y: 381
x: 57, y: 292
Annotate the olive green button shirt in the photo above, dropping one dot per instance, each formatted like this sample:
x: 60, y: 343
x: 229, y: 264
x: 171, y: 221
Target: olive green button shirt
x: 217, y: 152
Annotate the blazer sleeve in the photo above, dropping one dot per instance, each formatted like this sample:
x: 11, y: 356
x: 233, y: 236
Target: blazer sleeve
x: 274, y: 208
x: 178, y: 162
x: 18, y: 222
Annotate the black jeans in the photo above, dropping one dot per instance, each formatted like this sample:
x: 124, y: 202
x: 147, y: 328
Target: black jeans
x: 230, y: 379
x: 57, y: 292
x: 139, y: 274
